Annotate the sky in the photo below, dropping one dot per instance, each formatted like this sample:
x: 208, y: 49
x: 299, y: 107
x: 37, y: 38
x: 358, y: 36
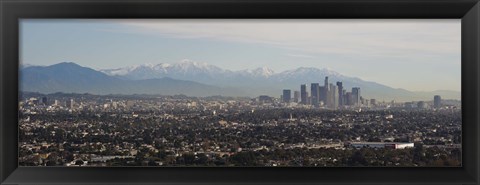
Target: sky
x: 413, y: 54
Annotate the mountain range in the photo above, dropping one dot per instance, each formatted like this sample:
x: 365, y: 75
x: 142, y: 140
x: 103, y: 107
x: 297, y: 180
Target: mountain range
x: 200, y: 79
x: 73, y: 78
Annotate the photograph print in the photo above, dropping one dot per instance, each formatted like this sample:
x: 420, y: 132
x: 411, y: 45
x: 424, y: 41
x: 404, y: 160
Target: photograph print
x: 240, y: 93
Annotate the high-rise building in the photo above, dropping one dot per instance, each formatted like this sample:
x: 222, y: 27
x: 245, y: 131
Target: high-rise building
x: 340, y: 93
x: 44, y: 100
x: 332, y: 97
x: 373, y: 102
x: 325, y: 92
x: 296, y: 96
x: 437, y: 101
x: 303, y: 93
x: 356, y: 96
x: 349, y: 98
x: 314, y: 89
x: 326, y: 83
x: 287, y: 95
x: 322, y: 94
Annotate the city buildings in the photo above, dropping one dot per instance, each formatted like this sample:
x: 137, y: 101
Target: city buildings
x: 287, y: 95
x: 296, y: 96
x: 340, y: 93
x: 156, y: 130
x: 356, y: 96
x: 391, y: 145
x: 437, y: 101
x: 303, y: 93
x: 330, y: 96
x: 315, y: 94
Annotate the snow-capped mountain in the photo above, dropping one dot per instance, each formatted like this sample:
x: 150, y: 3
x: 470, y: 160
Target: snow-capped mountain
x: 257, y: 81
x: 264, y: 72
x: 186, y: 69
x: 213, y: 75
x: 69, y: 77
x: 303, y: 73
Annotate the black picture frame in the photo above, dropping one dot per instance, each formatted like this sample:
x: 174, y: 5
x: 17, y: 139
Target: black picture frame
x: 11, y: 11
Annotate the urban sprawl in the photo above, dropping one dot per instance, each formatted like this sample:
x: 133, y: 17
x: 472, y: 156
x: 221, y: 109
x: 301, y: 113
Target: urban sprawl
x: 325, y: 127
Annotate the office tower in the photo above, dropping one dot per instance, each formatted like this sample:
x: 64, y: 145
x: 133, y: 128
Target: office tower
x: 287, y: 95
x: 322, y: 95
x: 314, y: 89
x: 373, y: 102
x: 44, y: 100
x: 348, y: 98
x: 296, y: 96
x: 356, y: 96
x: 340, y: 93
x: 332, y: 97
x: 309, y: 99
x: 303, y: 93
x: 325, y: 92
x: 437, y: 101
x: 326, y: 83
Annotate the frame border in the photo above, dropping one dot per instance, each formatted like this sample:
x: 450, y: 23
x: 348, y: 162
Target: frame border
x: 11, y: 11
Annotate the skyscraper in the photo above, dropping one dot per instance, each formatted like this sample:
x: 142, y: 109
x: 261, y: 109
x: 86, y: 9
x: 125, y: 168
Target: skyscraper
x: 325, y: 92
x: 296, y: 96
x: 333, y: 97
x: 321, y: 94
x: 44, y: 100
x: 303, y: 93
x: 314, y: 89
x: 349, y: 98
x: 356, y: 96
x: 437, y: 101
x: 340, y: 93
x: 287, y: 95
x: 326, y: 83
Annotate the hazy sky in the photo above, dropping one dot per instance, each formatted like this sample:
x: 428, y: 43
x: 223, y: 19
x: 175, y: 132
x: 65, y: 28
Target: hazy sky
x: 417, y: 55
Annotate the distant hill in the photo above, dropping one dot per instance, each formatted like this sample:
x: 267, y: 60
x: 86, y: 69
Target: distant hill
x: 72, y: 78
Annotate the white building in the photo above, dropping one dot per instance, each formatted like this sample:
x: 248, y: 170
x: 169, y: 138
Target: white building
x: 392, y: 145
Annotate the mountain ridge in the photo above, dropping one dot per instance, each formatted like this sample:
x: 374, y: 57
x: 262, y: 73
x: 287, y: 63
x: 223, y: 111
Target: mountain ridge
x: 263, y: 80
x: 72, y: 78
x: 259, y: 81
